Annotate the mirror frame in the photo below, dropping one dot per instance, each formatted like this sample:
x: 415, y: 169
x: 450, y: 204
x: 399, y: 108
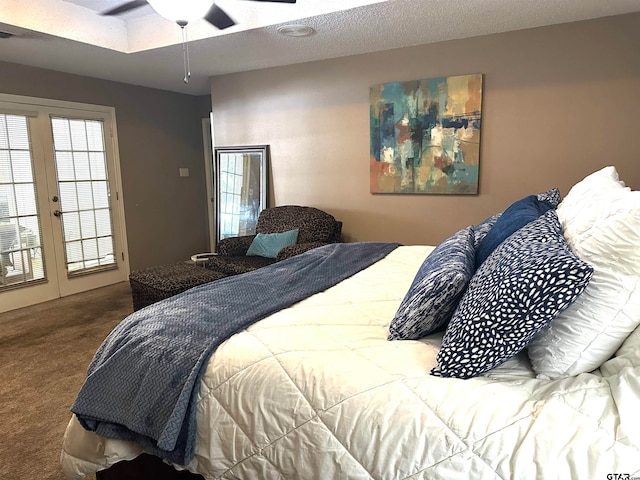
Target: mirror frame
x: 262, y: 151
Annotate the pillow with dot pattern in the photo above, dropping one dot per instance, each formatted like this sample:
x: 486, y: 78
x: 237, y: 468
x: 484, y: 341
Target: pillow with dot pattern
x: 552, y: 196
x: 517, y: 291
x: 436, y: 289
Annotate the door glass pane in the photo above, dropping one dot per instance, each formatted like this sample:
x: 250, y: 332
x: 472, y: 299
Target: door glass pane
x: 64, y: 166
x: 20, y: 234
x: 71, y: 222
x: 81, y: 164
x: 84, y: 194
x: 97, y: 161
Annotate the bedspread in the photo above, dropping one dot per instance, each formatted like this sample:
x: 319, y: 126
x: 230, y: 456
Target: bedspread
x: 140, y: 384
x: 315, y: 391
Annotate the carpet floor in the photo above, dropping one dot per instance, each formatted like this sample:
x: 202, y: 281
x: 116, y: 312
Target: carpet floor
x: 45, y: 350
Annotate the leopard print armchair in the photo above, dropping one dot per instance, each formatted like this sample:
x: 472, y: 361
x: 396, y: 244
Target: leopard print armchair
x: 315, y: 228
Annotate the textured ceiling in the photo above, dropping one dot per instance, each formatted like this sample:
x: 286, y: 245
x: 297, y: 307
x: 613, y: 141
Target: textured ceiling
x: 142, y: 48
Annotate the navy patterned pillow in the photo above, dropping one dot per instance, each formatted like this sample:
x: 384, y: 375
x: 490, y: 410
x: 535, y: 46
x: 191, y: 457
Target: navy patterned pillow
x: 436, y: 288
x: 552, y: 196
x: 530, y: 278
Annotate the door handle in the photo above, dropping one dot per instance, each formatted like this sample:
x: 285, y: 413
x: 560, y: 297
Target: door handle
x: 57, y: 213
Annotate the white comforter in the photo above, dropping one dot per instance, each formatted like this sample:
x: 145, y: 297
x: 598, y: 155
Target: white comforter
x: 317, y: 392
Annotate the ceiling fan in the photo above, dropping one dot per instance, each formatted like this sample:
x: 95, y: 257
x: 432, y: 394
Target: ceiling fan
x: 184, y: 11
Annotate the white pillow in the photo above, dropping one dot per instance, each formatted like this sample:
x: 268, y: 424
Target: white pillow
x: 601, y: 221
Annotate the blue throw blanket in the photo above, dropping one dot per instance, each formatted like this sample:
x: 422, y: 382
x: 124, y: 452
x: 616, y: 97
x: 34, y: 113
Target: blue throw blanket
x: 143, y: 381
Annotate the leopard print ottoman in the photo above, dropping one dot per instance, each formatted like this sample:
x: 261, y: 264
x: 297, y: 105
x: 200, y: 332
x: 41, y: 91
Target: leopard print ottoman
x: 157, y: 283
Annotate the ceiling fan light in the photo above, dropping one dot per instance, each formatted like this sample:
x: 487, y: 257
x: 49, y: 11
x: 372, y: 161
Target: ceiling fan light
x: 182, y: 10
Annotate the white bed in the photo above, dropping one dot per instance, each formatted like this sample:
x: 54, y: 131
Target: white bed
x: 316, y: 391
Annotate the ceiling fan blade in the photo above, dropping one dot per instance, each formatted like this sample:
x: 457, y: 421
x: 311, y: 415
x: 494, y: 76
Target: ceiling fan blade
x: 216, y: 17
x: 125, y: 7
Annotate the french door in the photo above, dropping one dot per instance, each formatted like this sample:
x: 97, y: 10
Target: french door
x: 61, y: 215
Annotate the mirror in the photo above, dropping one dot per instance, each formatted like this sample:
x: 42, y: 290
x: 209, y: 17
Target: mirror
x: 241, y: 183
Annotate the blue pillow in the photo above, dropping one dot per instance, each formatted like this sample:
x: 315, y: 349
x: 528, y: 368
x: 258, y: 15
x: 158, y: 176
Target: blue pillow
x: 512, y: 219
x: 480, y: 230
x: 436, y: 288
x: 522, y: 286
x: 269, y: 244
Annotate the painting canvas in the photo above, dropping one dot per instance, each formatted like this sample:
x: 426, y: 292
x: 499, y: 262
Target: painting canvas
x: 425, y: 135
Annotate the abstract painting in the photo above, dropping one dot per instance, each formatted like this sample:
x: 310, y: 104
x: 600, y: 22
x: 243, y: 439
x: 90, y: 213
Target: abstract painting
x: 425, y: 136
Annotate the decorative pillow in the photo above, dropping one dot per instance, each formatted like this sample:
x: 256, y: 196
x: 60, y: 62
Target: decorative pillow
x: 522, y: 286
x: 436, y: 288
x: 269, y: 244
x: 552, y: 196
x: 512, y: 219
x: 480, y: 230
x: 601, y: 220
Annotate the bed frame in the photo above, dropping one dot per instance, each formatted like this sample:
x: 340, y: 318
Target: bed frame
x: 145, y: 467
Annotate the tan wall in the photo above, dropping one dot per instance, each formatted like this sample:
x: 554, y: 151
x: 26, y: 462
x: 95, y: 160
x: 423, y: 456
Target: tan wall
x: 559, y: 103
x: 158, y: 133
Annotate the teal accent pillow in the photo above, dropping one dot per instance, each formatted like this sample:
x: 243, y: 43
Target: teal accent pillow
x: 269, y: 244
